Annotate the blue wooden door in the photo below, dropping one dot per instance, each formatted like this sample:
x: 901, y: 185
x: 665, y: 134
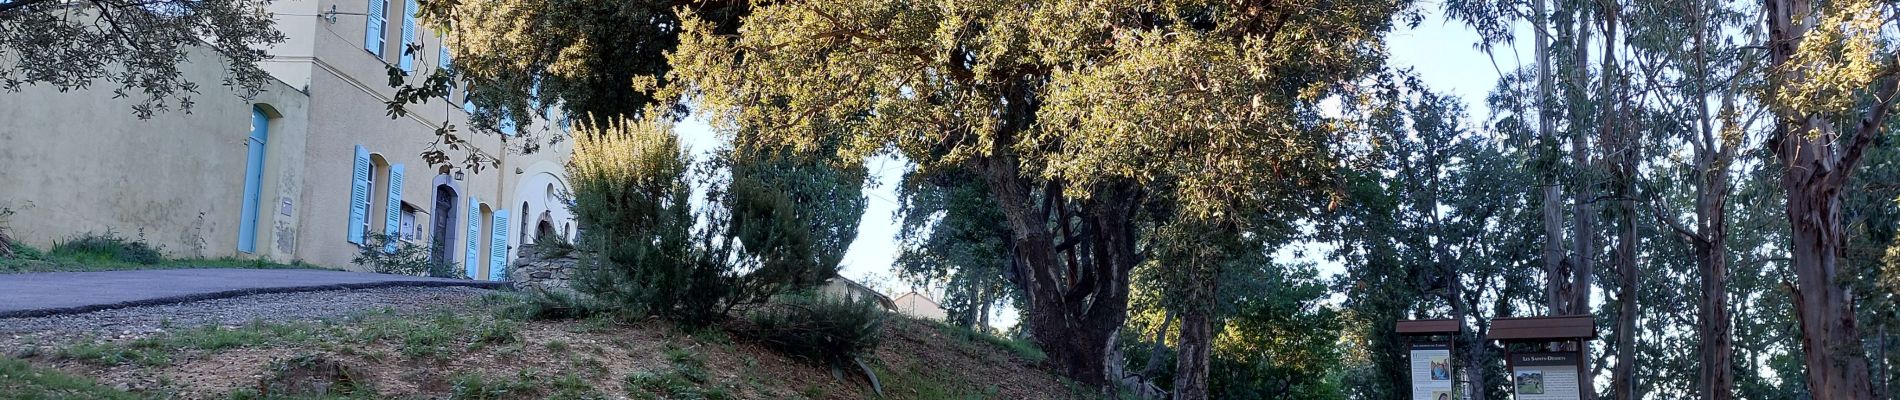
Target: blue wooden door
x: 253, y: 181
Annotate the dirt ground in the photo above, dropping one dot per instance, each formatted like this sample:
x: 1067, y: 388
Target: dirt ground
x: 916, y: 360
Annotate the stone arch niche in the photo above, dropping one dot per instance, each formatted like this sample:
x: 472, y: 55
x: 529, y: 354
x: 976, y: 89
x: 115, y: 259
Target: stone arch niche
x: 541, y: 195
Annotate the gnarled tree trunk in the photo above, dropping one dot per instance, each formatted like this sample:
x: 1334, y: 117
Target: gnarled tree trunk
x: 1073, y: 317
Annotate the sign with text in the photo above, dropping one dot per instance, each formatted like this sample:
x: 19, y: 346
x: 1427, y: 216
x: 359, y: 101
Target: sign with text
x: 1431, y: 372
x: 1545, y: 376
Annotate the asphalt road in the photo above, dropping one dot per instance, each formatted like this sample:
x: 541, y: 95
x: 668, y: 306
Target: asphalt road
x: 57, y: 293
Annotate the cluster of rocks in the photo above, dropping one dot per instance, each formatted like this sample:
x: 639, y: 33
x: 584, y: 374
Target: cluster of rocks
x: 544, y: 269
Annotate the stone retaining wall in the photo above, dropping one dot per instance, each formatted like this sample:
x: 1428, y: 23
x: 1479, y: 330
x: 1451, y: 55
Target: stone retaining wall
x: 535, y: 269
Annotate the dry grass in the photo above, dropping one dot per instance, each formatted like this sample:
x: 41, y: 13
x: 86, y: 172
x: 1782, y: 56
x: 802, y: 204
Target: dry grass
x: 473, y: 354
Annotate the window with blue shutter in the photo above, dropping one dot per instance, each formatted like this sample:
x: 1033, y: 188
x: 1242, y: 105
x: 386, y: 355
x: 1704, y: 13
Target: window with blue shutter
x: 498, y: 247
x: 373, y: 34
x: 407, y: 61
x: 359, y: 195
x: 473, y: 258
x: 392, y: 220
x: 253, y: 181
x: 442, y: 61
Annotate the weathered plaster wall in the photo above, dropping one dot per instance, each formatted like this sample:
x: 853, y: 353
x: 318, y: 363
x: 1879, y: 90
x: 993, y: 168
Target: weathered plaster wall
x: 80, y: 161
x: 77, y: 162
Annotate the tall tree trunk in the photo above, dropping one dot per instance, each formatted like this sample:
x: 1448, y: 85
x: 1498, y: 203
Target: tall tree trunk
x: 1193, y: 353
x: 1160, y: 346
x: 1621, y: 152
x: 983, y: 311
x: 1584, y: 254
x: 1712, y: 158
x: 1470, y: 346
x: 1546, y: 127
x: 1711, y: 253
x: 1816, y: 165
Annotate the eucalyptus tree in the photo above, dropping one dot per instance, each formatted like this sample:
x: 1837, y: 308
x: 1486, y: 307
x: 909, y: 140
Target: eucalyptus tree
x: 134, y: 47
x: 1693, y: 55
x: 1832, y: 86
x: 1066, y: 121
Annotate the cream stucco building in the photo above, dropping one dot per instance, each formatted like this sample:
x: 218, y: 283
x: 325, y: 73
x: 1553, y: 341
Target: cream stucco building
x: 301, y: 171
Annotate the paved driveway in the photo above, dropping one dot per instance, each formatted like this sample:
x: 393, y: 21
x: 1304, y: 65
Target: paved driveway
x: 53, y: 293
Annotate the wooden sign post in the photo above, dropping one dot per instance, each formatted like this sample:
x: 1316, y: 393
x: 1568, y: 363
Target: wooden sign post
x: 1556, y: 370
x: 1433, y: 377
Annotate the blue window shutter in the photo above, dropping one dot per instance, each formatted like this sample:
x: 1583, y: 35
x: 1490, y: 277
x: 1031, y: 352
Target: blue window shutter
x: 359, y: 194
x: 474, y: 259
x: 392, y: 220
x: 373, y: 34
x: 408, y: 61
x: 442, y: 61
x: 498, y: 247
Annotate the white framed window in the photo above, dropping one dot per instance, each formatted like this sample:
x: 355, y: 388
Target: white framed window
x: 369, y: 202
x: 374, y: 39
x: 410, y: 230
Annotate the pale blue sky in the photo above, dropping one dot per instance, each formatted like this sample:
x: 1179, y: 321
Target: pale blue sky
x: 1440, y: 52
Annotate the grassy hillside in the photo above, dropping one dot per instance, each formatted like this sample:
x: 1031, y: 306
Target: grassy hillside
x: 478, y: 352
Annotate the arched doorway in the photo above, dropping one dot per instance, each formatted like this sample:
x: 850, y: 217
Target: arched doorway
x: 442, y: 230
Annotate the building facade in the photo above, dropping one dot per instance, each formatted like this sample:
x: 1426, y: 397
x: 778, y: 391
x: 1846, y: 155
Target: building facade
x: 306, y: 170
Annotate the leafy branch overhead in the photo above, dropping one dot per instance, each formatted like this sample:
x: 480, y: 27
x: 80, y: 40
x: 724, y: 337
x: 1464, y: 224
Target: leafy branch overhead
x: 136, y: 48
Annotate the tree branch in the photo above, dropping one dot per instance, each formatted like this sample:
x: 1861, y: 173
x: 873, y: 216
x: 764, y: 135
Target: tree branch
x: 11, y: 5
x: 1869, y: 128
x: 1655, y: 206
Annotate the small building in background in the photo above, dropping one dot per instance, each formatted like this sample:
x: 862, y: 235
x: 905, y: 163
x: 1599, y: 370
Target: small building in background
x: 917, y: 305
x: 846, y: 288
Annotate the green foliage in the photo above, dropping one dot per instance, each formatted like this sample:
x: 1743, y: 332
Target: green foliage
x: 553, y: 304
x: 795, y: 214
x: 926, y: 382
x: 780, y: 223
x: 159, y: 349
x: 951, y: 239
x: 631, y: 192
x: 135, y: 50
x: 109, y: 248
x: 686, y: 379
x: 820, y: 329
x: 1021, y: 348
x: 406, y: 258
x: 22, y: 381
x: 478, y: 387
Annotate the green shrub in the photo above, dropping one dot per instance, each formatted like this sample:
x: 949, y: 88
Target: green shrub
x: 386, y: 255
x: 820, y: 329
x: 24, y: 252
x: 551, y: 246
x: 631, y: 192
x: 107, y: 247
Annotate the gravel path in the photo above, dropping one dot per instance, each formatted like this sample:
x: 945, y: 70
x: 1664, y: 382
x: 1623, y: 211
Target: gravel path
x: 135, y: 322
